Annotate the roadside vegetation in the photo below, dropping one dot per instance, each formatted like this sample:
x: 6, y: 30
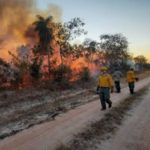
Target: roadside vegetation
x: 53, y: 59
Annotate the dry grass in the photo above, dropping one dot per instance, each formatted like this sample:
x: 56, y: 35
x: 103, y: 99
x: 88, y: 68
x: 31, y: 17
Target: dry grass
x: 51, y: 108
x: 24, y: 118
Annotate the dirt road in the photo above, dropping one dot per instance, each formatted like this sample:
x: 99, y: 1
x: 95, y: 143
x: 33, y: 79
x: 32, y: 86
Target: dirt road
x: 48, y: 135
x: 135, y: 132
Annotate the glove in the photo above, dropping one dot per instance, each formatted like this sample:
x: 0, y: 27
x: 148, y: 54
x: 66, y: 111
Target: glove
x: 98, y: 90
x: 136, y: 79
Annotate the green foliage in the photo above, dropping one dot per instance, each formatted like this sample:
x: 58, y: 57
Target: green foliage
x: 115, y: 49
x: 140, y: 59
x: 67, y: 32
x: 90, y: 48
x: 74, y: 28
x: 114, y: 46
x: 90, y: 45
x: 116, y: 42
x: 141, y: 62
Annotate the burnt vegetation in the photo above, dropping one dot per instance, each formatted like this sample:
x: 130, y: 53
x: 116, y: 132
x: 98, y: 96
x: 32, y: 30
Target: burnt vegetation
x: 54, y: 58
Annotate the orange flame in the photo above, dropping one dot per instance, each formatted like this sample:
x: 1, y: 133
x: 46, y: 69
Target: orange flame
x: 16, y: 29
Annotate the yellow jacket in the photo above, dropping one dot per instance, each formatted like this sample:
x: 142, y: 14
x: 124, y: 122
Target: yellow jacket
x: 131, y: 76
x: 105, y: 81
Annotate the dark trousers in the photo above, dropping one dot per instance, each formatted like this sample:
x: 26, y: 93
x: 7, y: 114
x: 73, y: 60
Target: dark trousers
x: 131, y: 87
x: 105, y: 97
x: 117, y: 86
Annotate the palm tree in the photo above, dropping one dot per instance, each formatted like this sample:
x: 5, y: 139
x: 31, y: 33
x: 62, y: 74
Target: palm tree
x: 45, y: 31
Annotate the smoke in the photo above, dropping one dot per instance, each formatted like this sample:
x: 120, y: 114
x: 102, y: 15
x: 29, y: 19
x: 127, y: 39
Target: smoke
x: 16, y: 18
x: 52, y: 10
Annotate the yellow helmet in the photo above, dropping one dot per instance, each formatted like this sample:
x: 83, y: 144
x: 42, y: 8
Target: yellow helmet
x: 103, y: 68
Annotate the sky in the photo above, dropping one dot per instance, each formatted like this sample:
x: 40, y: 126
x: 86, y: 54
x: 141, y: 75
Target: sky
x: 128, y: 17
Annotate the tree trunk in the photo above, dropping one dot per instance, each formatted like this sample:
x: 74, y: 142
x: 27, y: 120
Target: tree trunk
x: 61, y: 55
x: 48, y: 61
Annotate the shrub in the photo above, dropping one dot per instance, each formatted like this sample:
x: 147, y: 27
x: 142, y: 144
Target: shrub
x: 62, y: 75
x: 85, y: 74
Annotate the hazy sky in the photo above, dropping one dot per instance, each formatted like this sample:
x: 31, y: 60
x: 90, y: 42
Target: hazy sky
x: 129, y: 17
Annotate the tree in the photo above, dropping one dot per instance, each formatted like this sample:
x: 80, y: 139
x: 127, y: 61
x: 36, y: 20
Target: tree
x: 140, y: 60
x: 67, y: 32
x: 115, y: 48
x: 44, y: 27
x: 90, y: 48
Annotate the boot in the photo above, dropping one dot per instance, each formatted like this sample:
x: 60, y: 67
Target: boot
x: 103, y: 108
x: 110, y: 104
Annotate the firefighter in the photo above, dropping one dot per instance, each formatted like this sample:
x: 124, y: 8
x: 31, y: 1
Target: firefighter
x: 105, y: 85
x: 117, y: 77
x: 131, y: 78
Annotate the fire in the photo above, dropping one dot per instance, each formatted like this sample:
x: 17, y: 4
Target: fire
x: 17, y: 17
x: 78, y: 64
x: 17, y: 30
x: 13, y: 26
